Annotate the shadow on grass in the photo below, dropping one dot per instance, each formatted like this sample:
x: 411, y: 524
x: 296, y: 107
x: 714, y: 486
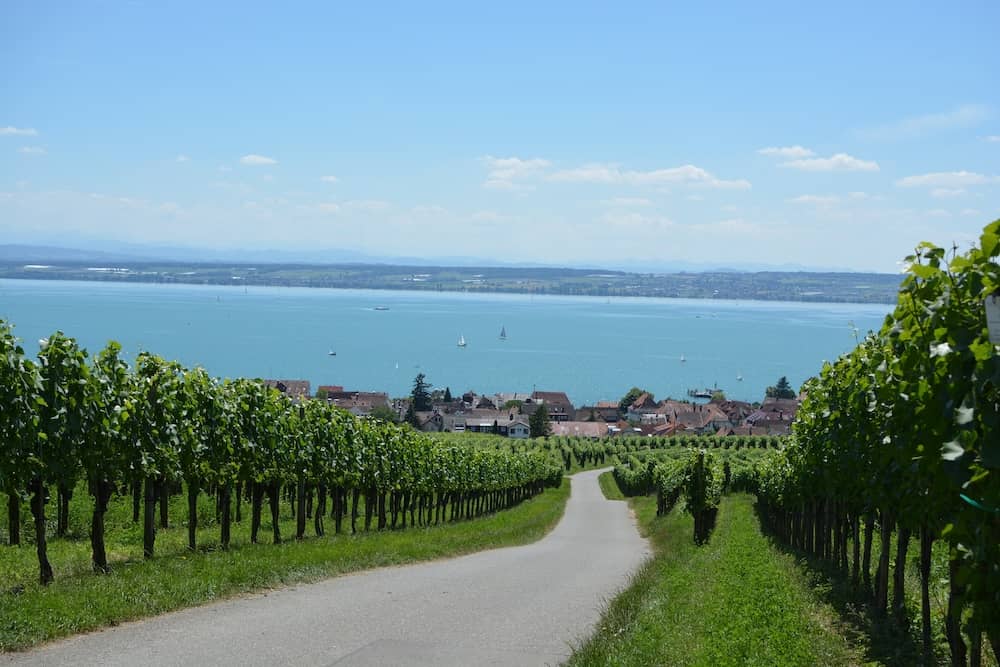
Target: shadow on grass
x: 884, y: 640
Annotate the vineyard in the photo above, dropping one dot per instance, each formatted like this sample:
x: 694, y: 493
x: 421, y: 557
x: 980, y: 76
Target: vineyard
x: 160, y: 430
x: 902, y: 435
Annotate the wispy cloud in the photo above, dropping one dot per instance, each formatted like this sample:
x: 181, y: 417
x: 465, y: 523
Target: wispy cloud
x: 627, y: 202
x: 837, y: 162
x: 182, y: 158
x: 32, y: 150
x: 257, y: 160
x: 328, y: 207
x: 947, y: 179
x: 944, y: 193
x: 329, y: 179
x: 789, y: 152
x: 506, y: 172
x: 992, y: 139
x: 11, y: 131
x: 610, y: 173
x: 817, y: 200
x: 367, y: 204
x: 967, y: 115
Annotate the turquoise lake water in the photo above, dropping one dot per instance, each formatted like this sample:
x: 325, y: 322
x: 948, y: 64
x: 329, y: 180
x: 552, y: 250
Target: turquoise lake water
x: 591, y: 348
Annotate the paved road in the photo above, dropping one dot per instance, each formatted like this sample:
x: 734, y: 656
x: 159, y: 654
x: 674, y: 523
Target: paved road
x: 516, y: 606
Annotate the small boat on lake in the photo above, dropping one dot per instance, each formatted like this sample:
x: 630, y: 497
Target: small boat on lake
x: 331, y: 353
x: 381, y: 308
x: 683, y: 359
x: 461, y: 341
x: 503, y: 333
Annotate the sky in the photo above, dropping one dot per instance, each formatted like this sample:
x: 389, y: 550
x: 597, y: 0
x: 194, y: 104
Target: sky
x: 605, y: 134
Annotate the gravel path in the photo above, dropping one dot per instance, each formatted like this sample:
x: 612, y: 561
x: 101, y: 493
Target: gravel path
x: 516, y: 606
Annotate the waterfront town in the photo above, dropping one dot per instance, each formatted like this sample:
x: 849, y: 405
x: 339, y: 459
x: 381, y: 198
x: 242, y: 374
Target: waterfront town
x: 509, y: 414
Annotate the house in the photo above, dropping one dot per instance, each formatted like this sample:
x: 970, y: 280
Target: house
x: 557, y: 404
x: 324, y: 389
x: 295, y: 389
x: 598, y: 412
x: 489, y: 421
x: 518, y: 429
x: 581, y: 429
x: 358, y: 403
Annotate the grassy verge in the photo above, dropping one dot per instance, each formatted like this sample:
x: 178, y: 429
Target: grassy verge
x: 734, y: 601
x: 609, y: 487
x: 79, y: 600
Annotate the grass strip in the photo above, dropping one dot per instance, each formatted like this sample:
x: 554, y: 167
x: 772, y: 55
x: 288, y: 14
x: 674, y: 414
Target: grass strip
x: 79, y: 601
x: 735, y: 601
x: 609, y: 487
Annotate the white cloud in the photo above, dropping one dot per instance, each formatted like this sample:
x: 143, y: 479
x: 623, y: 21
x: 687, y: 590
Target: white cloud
x: 787, y: 151
x: 964, y: 116
x: 817, y: 200
x: 943, y: 193
x: 429, y: 209
x: 329, y: 179
x: 32, y: 150
x: 182, y: 158
x: 938, y: 213
x: 610, y: 173
x: 971, y: 211
x: 328, y: 207
x: 838, y: 162
x: 257, y: 160
x: 11, y: 131
x: 992, y: 139
x: 504, y: 171
x: 946, y: 179
x: 627, y: 202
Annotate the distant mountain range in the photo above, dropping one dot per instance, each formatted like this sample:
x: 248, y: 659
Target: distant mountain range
x: 116, y: 251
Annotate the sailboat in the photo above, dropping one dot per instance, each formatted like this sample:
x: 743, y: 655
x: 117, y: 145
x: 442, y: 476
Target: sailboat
x: 503, y: 333
x: 683, y: 359
x: 739, y: 376
x: 461, y: 341
x: 331, y: 353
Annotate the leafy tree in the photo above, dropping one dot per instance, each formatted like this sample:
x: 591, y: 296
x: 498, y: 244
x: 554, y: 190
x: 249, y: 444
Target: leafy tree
x: 321, y: 394
x: 538, y: 423
x: 629, y: 398
x: 447, y: 395
x: 420, y: 397
x: 718, y: 396
x: 384, y: 413
x: 781, y: 390
x: 513, y: 403
x: 411, y: 416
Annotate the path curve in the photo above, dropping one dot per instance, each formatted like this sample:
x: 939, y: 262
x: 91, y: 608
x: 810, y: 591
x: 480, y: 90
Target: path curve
x: 523, y: 605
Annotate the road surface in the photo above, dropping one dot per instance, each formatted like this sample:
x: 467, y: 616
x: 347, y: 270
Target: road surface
x: 525, y: 605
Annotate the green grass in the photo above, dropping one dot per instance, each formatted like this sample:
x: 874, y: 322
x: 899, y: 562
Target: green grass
x: 734, y: 601
x: 609, y: 487
x: 79, y: 600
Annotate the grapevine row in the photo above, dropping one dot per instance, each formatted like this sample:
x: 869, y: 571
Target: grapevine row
x: 160, y: 427
x: 903, y: 435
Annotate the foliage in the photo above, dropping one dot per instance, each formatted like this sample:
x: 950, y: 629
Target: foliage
x: 420, y: 397
x: 781, y: 390
x: 630, y: 397
x: 538, y: 423
x: 903, y: 431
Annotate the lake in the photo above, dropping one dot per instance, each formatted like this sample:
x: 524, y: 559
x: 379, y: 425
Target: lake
x: 591, y: 348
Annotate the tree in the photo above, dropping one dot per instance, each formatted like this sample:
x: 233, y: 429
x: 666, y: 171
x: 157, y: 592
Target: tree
x: 718, y: 396
x: 513, y: 403
x: 384, y: 413
x: 420, y: 397
x: 538, y: 423
x: 629, y: 398
x: 781, y: 390
x: 447, y: 395
x: 321, y: 394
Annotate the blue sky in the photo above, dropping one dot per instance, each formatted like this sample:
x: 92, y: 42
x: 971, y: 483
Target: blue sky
x: 724, y: 133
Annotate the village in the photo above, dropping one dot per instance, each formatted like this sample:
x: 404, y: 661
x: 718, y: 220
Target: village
x: 510, y: 414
